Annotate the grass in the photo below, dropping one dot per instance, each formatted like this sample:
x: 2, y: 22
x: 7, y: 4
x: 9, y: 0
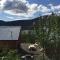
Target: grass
x: 9, y: 54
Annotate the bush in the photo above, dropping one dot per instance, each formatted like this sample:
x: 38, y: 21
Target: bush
x: 48, y: 34
x: 9, y: 54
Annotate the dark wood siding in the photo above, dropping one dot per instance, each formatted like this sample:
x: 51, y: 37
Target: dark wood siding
x: 9, y: 43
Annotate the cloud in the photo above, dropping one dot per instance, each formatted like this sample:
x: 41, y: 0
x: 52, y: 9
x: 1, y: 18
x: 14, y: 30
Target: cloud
x: 10, y: 17
x: 43, y: 9
x: 20, y: 8
x: 59, y: 12
x: 2, y: 4
x: 16, y: 6
x: 47, y: 10
x: 23, y: 9
x: 32, y: 7
x: 54, y: 8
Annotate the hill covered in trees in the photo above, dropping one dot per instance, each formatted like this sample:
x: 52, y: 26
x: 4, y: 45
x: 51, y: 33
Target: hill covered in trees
x: 18, y: 22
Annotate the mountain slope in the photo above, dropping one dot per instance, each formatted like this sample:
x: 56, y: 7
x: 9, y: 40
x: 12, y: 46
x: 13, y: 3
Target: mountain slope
x: 18, y: 22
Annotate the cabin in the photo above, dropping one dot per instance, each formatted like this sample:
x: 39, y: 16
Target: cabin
x: 9, y: 36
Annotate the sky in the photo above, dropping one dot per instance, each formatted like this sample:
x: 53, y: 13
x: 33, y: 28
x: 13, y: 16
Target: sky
x: 11, y: 10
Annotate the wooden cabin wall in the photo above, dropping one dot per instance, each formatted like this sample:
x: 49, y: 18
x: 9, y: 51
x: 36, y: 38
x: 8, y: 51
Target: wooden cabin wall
x: 8, y: 43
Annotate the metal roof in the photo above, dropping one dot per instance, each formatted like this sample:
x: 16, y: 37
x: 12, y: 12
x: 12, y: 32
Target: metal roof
x: 9, y: 32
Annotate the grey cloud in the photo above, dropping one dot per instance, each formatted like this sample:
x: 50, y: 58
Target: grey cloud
x: 19, y: 6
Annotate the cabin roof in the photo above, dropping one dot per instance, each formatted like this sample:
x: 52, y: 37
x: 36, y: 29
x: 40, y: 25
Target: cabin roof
x: 9, y: 32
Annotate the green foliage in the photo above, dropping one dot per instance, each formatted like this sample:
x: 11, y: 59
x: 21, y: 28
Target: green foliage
x: 28, y: 37
x: 47, y: 31
x: 9, y: 54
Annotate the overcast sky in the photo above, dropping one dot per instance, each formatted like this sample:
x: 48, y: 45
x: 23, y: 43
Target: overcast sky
x: 11, y: 10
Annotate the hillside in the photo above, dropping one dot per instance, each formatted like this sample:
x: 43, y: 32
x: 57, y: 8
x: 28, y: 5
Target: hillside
x: 18, y: 22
